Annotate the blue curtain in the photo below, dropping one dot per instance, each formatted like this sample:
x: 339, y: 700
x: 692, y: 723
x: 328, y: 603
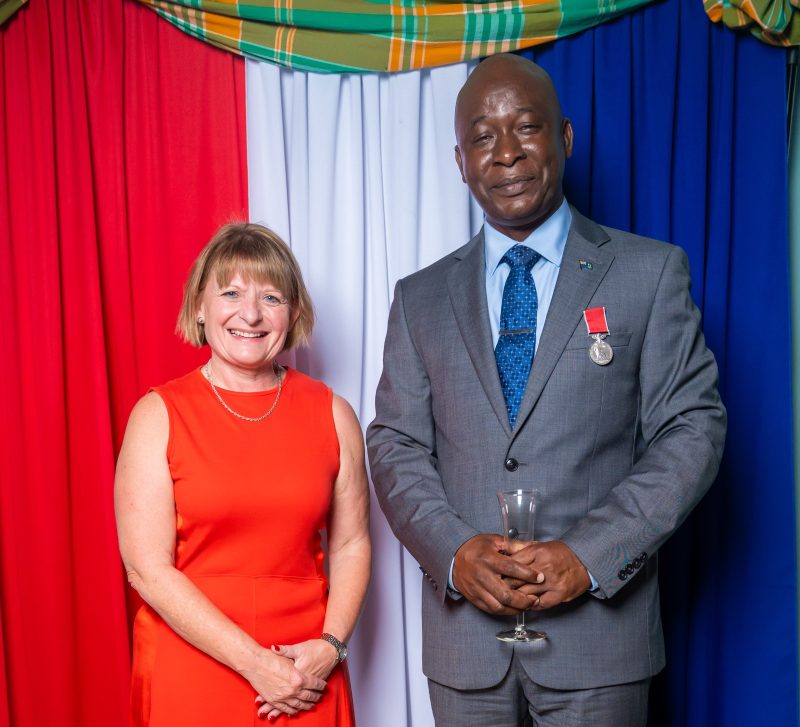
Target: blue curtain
x: 680, y: 135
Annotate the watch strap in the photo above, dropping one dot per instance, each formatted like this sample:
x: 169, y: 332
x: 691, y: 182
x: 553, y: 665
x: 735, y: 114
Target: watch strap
x: 340, y: 646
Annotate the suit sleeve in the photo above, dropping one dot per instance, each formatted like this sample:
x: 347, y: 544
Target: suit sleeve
x: 401, y: 443
x: 682, y: 426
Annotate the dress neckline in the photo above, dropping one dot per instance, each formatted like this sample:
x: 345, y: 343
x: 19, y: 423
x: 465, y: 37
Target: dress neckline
x: 288, y: 374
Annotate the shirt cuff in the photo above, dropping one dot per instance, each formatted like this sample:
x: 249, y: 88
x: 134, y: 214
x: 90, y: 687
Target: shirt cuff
x: 451, y: 589
x: 595, y: 584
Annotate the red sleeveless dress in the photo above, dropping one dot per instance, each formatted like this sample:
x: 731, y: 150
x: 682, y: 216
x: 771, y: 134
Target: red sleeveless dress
x: 250, y: 499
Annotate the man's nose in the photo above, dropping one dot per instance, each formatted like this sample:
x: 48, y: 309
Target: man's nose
x: 508, y: 149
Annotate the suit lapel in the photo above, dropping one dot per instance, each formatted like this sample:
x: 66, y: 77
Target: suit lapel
x: 466, y: 282
x: 574, y: 289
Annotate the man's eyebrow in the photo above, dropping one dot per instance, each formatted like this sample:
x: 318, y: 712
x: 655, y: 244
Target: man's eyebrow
x: 519, y: 109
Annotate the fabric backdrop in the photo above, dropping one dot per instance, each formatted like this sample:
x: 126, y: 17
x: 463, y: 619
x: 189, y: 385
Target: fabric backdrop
x: 123, y: 149
x: 358, y: 173
x: 115, y: 171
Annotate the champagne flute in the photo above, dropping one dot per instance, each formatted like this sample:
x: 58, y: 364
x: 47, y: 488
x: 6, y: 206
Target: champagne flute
x: 518, y: 508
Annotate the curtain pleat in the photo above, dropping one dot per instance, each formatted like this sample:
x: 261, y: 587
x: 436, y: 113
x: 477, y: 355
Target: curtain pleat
x: 116, y: 170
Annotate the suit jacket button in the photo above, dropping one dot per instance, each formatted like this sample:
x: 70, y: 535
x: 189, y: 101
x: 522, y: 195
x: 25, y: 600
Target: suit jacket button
x: 511, y: 464
x: 629, y: 569
x: 622, y: 575
x: 643, y: 556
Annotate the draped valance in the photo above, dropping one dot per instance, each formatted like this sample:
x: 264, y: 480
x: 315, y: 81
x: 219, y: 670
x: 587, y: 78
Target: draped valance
x: 340, y: 36
x: 776, y: 22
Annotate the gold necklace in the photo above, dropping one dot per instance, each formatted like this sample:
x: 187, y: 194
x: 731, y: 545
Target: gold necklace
x: 275, y: 369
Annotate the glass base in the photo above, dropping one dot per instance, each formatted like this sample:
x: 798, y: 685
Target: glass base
x: 521, y: 635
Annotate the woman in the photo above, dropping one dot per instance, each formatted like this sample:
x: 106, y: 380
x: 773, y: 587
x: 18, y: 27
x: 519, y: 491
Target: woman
x: 225, y: 478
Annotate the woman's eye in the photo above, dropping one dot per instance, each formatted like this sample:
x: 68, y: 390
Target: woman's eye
x: 270, y: 299
x: 230, y: 294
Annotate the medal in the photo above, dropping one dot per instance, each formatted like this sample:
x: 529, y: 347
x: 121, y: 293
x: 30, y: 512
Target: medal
x: 600, y: 352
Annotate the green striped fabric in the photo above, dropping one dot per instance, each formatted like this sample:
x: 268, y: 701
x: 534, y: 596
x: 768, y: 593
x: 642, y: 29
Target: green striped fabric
x: 8, y: 8
x: 342, y: 36
x: 776, y: 22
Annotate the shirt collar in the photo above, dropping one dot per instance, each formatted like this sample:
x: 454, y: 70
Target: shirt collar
x: 548, y: 240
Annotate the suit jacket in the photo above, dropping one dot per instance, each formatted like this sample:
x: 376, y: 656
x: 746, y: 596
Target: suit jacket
x: 620, y: 454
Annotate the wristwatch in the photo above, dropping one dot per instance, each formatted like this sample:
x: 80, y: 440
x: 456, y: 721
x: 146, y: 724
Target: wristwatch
x: 341, y: 647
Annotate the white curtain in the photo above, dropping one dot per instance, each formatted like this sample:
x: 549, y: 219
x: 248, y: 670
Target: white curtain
x: 356, y: 173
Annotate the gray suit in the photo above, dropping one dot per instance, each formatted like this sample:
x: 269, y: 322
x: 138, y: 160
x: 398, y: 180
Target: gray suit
x: 620, y: 454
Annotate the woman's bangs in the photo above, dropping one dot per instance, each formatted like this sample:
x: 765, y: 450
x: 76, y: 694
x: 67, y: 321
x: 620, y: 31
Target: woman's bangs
x: 260, y: 268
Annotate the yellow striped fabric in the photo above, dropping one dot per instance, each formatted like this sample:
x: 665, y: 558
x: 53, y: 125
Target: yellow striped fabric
x: 340, y: 36
x: 8, y: 8
x: 776, y: 22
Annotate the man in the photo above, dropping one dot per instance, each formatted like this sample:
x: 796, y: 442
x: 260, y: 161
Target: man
x: 552, y: 354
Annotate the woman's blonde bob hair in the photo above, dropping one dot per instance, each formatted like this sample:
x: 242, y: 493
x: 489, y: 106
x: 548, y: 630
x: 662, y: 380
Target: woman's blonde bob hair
x: 255, y: 253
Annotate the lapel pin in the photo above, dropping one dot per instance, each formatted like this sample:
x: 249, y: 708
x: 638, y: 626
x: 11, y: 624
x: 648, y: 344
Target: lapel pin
x: 586, y: 264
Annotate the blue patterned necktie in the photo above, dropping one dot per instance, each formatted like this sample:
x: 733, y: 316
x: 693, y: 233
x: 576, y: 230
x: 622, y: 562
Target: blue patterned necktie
x: 517, y: 341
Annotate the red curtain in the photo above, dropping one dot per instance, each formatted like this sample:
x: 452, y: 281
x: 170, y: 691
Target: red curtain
x: 123, y: 148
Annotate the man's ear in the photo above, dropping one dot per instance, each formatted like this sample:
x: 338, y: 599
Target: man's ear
x: 566, y: 136
x: 458, y: 161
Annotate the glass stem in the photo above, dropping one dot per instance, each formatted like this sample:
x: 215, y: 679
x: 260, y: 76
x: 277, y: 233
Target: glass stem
x: 520, y: 622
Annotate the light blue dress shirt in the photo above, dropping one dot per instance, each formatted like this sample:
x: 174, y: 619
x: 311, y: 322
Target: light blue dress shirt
x: 549, y: 240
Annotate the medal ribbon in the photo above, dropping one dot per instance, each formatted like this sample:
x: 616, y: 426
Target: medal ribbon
x: 596, y: 323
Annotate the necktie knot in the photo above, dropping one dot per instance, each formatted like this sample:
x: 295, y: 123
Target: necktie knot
x: 521, y: 256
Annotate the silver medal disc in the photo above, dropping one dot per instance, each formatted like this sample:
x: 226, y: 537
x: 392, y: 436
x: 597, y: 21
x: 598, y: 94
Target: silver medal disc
x: 601, y: 353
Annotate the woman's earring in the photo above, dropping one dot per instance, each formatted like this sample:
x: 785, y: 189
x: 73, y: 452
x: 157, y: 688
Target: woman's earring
x: 201, y: 320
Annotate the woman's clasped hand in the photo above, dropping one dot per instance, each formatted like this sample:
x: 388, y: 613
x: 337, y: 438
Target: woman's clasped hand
x: 303, y: 669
